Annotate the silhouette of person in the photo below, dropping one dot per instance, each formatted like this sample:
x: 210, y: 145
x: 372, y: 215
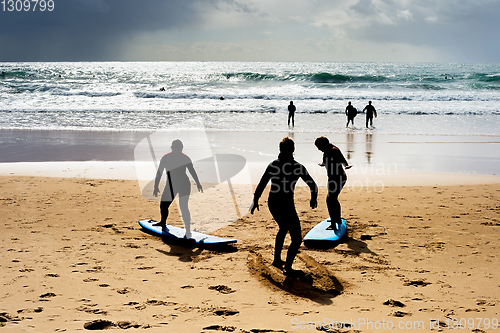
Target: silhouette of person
x: 334, y: 162
x: 291, y: 114
x: 370, y: 112
x: 284, y: 173
x: 175, y: 164
x: 162, y: 89
x: 350, y: 112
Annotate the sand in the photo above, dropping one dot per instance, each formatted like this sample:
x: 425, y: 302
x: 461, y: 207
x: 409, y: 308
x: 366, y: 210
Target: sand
x: 417, y: 257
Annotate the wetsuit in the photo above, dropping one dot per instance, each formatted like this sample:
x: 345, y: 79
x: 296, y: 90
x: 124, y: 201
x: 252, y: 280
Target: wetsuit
x: 350, y: 112
x: 291, y: 114
x: 370, y: 111
x: 175, y: 164
x: 283, y: 174
x: 333, y: 161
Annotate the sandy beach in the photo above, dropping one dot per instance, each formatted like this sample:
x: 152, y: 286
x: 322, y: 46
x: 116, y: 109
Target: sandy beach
x: 421, y: 251
x: 74, y: 257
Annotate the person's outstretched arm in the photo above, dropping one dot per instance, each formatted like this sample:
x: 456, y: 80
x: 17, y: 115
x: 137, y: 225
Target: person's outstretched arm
x: 306, y: 177
x: 260, y: 188
x: 159, y: 173
x: 342, y: 160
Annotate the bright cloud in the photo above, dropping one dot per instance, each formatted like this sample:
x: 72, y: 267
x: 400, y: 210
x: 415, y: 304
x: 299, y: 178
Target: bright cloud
x: 301, y: 30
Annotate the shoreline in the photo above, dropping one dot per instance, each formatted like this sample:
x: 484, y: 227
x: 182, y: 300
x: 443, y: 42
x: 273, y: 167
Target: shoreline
x: 375, y: 156
x: 358, y: 177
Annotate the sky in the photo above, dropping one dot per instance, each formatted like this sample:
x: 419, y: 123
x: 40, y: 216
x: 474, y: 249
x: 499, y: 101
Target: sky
x: 255, y: 30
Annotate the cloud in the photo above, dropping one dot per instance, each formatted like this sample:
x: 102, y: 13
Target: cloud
x: 455, y: 30
x: 405, y: 14
x: 88, y: 29
x: 425, y: 30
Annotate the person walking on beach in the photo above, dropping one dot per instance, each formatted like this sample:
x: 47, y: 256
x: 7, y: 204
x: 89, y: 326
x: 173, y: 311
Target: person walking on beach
x: 335, y: 163
x: 283, y: 174
x: 175, y: 164
x: 350, y: 112
x: 291, y: 114
x: 370, y: 112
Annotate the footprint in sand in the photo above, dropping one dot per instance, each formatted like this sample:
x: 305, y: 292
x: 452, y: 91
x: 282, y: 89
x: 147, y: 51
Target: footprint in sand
x: 394, y: 303
x: 485, y: 302
x: 400, y: 314
x: 220, y: 328
x: 101, y: 324
x: 155, y: 302
x: 90, y: 280
x: 224, y: 312
x: 417, y: 283
x: 132, y: 246
x: 222, y: 289
x: 123, y: 291
x: 52, y: 275
x: 91, y: 310
x: 5, y: 318
x: 26, y: 270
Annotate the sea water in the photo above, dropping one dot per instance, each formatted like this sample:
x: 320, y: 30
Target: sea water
x: 410, y: 98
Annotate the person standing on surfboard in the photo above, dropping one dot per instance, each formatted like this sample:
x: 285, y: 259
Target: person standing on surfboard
x: 175, y: 164
x: 334, y: 162
x: 284, y: 174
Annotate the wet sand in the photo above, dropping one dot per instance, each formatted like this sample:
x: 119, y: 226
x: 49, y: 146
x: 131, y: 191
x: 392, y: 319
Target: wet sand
x: 424, y: 153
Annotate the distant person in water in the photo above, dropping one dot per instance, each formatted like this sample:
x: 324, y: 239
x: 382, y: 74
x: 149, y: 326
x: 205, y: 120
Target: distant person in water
x: 175, y: 164
x: 283, y: 174
x: 291, y: 114
x: 370, y: 112
x: 350, y: 112
x: 334, y: 162
x: 162, y: 89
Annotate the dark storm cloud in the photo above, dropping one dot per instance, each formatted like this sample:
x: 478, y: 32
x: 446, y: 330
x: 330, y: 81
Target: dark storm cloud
x: 87, y: 29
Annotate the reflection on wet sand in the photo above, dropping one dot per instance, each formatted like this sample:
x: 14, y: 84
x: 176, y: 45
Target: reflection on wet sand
x: 368, y: 148
x: 350, y: 145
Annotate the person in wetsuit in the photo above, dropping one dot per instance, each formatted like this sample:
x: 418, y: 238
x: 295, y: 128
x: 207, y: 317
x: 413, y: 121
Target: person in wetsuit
x: 283, y: 174
x: 175, y: 164
x: 370, y: 112
x: 334, y: 162
x: 291, y: 114
x: 350, y: 112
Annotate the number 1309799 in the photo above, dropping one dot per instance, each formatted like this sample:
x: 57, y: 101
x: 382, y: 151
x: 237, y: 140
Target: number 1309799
x: 27, y: 5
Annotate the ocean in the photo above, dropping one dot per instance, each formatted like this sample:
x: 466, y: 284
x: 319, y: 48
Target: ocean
x: 410, y: 98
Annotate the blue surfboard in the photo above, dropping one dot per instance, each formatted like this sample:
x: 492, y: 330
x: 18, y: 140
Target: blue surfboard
x: 177, y: 233
x: 319, y: 236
